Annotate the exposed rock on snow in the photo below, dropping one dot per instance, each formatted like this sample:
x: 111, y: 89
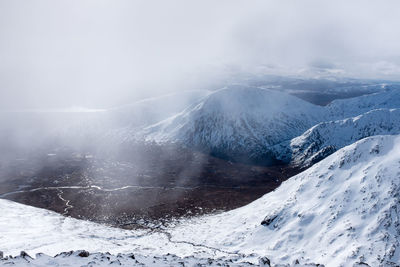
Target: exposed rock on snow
x: 106, y: 259
x: 72, y: 258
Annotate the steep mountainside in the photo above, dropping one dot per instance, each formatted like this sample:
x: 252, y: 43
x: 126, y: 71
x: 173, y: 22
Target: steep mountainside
x: 238, y: 121
x: 341, y: 211
x: 326, y: 137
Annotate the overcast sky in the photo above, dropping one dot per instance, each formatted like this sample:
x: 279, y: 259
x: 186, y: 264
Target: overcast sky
x: 101, y: 53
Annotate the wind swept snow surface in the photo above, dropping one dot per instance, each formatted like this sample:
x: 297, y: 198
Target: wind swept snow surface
x: 342, y: 211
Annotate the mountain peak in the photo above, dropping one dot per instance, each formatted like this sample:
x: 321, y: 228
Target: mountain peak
x: 238, y: 122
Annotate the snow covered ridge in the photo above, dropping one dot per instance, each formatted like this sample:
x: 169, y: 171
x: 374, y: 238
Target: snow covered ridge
x: 84, y: 258
x: 326, y: 137
x: 241, y: 121
x: 344, y: 108
x: 237, y: 120
x: 343, y: 211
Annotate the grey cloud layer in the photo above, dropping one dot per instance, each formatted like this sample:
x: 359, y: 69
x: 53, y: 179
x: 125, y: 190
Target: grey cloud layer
x: 101, y: 53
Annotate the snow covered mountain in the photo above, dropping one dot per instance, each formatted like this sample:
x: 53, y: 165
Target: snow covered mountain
x: 241, y: 122
x: 389, y: 98
x: 238, y: 121
x: 326, y: 137
x: 343, y: 211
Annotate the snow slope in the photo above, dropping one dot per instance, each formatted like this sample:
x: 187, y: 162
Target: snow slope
x: 25, y: 228
x: 326, y: 137
x: 389, y: 98
x: 238, y: 121
x: 343, y: 210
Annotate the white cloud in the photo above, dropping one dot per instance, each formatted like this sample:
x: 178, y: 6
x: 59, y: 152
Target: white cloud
x: 99, y: 53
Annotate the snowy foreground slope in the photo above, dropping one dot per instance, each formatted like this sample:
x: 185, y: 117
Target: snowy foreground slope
x: 342, y: 211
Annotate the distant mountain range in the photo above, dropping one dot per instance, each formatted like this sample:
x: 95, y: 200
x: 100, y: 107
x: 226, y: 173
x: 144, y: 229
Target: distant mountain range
x: 326, y: 137
x: 256, y: 120
x: 266, y: 126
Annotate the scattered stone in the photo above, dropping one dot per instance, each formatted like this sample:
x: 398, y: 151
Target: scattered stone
x: 264, y: 262
x: 116, y: 262
x: 84, y: 254
x: 24, y: 255
x: 64, y: 254
x: 268, y: 220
